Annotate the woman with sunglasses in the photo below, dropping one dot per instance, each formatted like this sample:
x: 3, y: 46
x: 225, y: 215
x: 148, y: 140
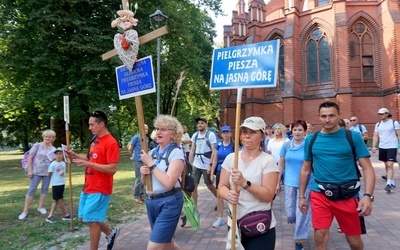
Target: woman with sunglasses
x: 164, y: 203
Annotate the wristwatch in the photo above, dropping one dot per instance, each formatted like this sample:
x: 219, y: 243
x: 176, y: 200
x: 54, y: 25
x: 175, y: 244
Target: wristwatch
x: 248, y: 184
x: 370, y: 196
x: 152, y: 167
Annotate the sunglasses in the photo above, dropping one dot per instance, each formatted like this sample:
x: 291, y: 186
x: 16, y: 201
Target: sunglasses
x: 99, y: 114
x: 353, y: 120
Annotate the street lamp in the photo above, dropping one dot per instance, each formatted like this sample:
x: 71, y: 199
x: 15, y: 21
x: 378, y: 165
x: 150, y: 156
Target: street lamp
x: 158, y: 17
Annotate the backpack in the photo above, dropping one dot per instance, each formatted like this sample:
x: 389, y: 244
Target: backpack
x: 206, y: 137
x: 24, y: 161
x: 187, y: 183
x: 349, y: 139
x: 360, y: 128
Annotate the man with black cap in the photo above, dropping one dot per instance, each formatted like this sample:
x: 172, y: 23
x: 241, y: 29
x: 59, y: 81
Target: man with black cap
x: 201, y: 155
x: 387, y: 131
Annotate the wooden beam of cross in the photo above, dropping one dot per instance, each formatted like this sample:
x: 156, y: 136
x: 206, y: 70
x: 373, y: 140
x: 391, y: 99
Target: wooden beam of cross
x: 178, y: 86
x: 138, y: 99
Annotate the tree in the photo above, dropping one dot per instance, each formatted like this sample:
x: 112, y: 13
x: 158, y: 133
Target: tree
x: 49, y: 49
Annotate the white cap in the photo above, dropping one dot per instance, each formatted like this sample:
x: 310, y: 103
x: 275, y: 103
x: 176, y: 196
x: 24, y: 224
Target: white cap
x: 254, y: 123
x: 383, y: 110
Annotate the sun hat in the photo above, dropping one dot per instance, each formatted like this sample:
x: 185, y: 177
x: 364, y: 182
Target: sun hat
x: 383, y: 110
x: 254, y: 123
x: 226, y: 128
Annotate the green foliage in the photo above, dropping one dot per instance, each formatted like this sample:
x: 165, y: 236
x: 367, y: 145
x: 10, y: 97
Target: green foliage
x: 50, y: 49
x: 34, y: 232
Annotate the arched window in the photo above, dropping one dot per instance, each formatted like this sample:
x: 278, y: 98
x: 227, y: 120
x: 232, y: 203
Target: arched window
x: 281, y: 62
x: 361, y: 53
x: 318, y: 58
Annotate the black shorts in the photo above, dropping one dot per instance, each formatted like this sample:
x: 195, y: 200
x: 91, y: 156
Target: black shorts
x: 217, y: 176
x: 387, y: 154
x: 58, y: 192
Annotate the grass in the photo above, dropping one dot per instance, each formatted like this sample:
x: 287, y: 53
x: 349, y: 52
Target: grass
x: 34, y: 232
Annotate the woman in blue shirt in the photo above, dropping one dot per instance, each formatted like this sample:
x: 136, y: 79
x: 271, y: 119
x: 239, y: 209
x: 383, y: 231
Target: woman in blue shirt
x: 224, y: 148
x: 291, y: 161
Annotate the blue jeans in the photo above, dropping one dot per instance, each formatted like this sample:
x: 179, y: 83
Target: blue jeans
x: 138, y: 190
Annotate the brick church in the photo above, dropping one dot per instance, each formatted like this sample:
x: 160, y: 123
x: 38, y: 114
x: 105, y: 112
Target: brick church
x: 339, y: 50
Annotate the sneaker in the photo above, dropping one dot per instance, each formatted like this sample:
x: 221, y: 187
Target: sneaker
x: 299, y: 246
x: 22, y: 216
x: 67, y: 217
x: 219, y: 222
x: 384, y: 177
x: 112, y: 238
x: 393, y: 186
x: 184, y: 220
x: 388, y: 187
x: 42, y: 210
x: 51, y: 219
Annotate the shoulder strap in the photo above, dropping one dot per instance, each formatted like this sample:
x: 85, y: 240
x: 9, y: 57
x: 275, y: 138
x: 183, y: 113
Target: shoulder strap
x: 167, y: 155
x: 208, y: 137
x: 349, y: 138
x: 360, y: 128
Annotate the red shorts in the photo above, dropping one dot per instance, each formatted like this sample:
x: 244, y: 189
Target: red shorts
x: 345, y: 212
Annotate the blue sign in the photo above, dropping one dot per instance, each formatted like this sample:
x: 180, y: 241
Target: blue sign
x: 137, y: 82
x: 248, y: 66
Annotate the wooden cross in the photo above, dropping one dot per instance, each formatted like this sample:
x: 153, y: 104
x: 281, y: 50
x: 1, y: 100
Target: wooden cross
x: 178, y: 86
x: 138, y: 99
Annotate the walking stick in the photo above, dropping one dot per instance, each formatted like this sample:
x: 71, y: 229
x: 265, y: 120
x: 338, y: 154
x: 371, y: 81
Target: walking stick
x: 66, y: 119
x: 235, y: 164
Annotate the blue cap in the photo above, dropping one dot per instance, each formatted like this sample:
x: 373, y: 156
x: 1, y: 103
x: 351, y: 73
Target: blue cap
x: 226, y: 128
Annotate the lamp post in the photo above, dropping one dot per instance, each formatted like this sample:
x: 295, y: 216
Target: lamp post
x: 158, y: 17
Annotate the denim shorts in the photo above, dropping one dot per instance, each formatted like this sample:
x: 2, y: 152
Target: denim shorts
x: 93, y: 207
x: 163, y: 216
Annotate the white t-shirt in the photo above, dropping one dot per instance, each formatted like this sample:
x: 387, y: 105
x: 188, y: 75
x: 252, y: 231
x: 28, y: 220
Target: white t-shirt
x: 200, y: 161
x: 58, y: 170
x: 275, y: 147
x: 185, y: 137
x: 387, y: 133
x: 252, y: 172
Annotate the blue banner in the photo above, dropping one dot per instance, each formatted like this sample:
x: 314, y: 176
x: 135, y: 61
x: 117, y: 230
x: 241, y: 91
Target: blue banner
x: 248, y: 66
x: 137, y: 82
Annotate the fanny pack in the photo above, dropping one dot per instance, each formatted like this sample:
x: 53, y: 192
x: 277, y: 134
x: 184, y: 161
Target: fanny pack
x: 255, y: 223
x: 340, y: 192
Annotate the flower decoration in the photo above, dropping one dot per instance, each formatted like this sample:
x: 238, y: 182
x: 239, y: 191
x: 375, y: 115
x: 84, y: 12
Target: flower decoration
x: 125, y: 19
x: 126, y: 42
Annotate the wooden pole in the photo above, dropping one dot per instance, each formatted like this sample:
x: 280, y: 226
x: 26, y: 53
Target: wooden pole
x: 235, y: 164
x: 143, y: 141
x: 178, y: 86
x: 71, y: 203
x: 66, y: 119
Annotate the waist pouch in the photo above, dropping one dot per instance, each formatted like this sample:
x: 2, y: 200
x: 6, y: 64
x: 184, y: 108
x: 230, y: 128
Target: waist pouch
x: 255, y: 223
x: 340, y: 192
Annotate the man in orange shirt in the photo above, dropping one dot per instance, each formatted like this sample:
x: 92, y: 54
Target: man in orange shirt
x: 101, y: 164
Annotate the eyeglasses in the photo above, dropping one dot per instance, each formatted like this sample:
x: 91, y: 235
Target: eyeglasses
x: 99, y: 114
x: 353, y: 120
x: 163, y: 129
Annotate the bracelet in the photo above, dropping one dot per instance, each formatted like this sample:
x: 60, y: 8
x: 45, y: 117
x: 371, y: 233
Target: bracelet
x: 302, y: 197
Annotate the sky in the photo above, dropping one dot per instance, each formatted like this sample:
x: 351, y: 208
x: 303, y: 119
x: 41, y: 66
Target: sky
x: 227, y: 6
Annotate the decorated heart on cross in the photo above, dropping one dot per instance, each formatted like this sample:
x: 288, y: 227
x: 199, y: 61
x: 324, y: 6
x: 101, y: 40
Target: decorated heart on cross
x: 127, y: 46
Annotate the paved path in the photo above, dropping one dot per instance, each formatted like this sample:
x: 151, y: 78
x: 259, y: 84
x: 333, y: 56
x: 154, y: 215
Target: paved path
x: 383, y: 226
